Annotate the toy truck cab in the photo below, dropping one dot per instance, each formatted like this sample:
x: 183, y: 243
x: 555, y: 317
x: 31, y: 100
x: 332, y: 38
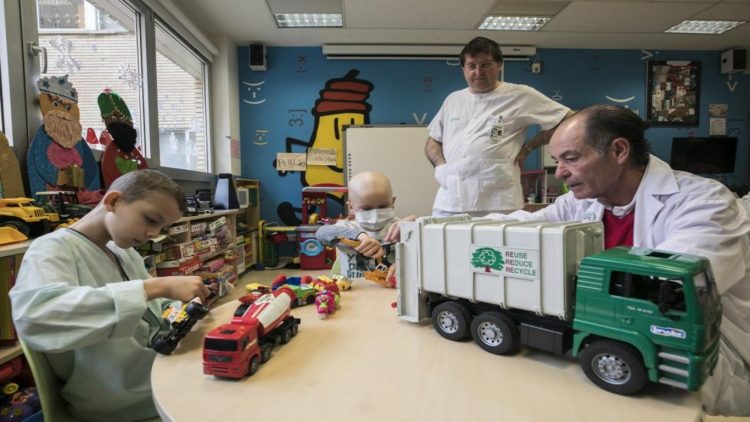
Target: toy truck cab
x: 664, y: 310
x: 22, y: 215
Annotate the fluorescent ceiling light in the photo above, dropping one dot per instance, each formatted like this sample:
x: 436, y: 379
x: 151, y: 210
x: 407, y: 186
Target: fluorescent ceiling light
x: 514, y: 23
x: 308, y: 20
x: 704, y: 27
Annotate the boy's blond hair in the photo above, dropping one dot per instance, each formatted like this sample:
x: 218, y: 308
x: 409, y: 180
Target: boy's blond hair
x: 136, y: 184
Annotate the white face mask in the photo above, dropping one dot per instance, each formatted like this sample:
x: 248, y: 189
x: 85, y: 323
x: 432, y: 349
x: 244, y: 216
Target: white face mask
x: 375, y: 220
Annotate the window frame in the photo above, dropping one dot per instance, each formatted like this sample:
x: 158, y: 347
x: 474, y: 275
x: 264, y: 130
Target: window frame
x: 21, y: 118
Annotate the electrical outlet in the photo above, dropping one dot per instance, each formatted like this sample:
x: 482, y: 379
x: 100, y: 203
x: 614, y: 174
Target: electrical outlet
x: 536, y: 67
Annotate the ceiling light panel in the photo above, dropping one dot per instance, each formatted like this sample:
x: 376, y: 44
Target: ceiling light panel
x: 309, y: 20
x: 704, y: 27
x: 514, y: 23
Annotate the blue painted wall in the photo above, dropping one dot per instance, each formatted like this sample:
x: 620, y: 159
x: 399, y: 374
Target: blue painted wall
x: 277, y: 104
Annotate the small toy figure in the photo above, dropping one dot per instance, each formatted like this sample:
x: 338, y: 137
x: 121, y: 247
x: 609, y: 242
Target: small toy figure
x: 325, y: 303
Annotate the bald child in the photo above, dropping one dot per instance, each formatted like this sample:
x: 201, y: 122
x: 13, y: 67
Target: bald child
x: 371, y: 203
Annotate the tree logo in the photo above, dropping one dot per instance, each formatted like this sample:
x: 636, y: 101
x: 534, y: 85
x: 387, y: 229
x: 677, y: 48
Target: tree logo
x: 487, y: 258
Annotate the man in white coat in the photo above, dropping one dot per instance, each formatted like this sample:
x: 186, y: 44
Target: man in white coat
x: 604, y: 158
x: 476, y: 140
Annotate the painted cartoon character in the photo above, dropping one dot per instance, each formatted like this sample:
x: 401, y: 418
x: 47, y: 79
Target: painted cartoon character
x: 58, y: 158
x: 342, y: 103
x: 121, y: 155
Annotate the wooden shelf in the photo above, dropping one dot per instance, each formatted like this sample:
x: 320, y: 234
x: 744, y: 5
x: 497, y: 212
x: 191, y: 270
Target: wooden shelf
x: 14, y: 248
x: 9, y: 352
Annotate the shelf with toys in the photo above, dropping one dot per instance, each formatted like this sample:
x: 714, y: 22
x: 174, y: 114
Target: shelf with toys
x: 203, y: 245
x: 10, y: 258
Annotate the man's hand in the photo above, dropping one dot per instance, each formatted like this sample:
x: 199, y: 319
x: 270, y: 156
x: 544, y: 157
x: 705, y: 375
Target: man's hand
x: 394, y: 232
x: 182, y: 288
x: 369, y: 247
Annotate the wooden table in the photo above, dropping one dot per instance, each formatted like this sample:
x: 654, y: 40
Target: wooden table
x: 365, y: 364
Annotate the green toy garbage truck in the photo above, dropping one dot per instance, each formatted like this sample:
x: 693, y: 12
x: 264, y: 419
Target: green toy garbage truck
x: 630, y: 315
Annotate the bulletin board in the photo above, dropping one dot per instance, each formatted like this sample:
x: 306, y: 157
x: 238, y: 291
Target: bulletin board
x: 398, y: 152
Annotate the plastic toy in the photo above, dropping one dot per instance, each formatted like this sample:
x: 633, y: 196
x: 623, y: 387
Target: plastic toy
x: 380, y: 274
x: 64, y: 203
x: 325, y: 303
x: 191, y: 313
x: 305, y: 293
x: 629, y: 315
x: 343, y: 282
x: 23, y: 216
x: 251, y: 287
x: 237, y: 349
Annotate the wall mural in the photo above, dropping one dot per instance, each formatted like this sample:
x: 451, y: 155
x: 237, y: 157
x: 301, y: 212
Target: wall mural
x: 304, y: 99
x: 342, y: 102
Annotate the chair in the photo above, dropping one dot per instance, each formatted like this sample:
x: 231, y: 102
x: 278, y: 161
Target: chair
x: 48, y: 386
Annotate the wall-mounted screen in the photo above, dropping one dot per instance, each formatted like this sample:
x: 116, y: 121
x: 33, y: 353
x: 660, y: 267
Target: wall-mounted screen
x: 704, y: 155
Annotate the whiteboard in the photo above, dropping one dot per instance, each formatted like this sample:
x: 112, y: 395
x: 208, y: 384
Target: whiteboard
x: 398, y: 152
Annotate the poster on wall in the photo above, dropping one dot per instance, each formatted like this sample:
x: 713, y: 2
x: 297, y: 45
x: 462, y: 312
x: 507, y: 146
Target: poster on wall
x: 672, y: 93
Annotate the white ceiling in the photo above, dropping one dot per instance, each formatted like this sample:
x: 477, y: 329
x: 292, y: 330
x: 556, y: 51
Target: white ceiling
x: 628, y: 24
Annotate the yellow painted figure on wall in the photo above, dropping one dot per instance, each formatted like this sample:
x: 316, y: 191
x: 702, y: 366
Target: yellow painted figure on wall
x: 342, y: 103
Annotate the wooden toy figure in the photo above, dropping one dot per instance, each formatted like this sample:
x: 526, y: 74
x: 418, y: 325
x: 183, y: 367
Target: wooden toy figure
x: 59, y: 159
x: 120, y: 156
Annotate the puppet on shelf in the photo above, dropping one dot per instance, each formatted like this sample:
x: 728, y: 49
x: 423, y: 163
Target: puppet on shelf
x: 120, y: 155
x: 59, y: 159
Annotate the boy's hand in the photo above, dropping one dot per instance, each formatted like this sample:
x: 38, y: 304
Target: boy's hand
x: 182, y: 288
x: 369, y: 247
x: 394, y: 232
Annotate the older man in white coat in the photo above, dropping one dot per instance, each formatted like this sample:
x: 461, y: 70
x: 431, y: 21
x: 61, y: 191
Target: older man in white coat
x: 604, y: 158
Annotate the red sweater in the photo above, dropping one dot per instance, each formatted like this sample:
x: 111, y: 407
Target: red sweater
x: 618, y: 231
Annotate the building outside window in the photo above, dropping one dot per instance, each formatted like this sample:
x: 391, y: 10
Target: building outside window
x: 182, y: 98
x: 97, y: 44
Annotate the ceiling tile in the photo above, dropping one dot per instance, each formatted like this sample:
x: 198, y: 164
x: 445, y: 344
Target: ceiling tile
x: 725, y: 11
x: 415, y: 14
x: 598, y: 16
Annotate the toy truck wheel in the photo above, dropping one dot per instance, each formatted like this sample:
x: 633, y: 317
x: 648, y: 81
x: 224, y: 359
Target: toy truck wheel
x: 495, y: 333
x: 614, y: 366
x: 286, y: 335
x: 310, y: 299
x: 265, y: 353
x: 254, y: 365
x: 295, y: 329
x: 451, y: 320
x: 161, y: 345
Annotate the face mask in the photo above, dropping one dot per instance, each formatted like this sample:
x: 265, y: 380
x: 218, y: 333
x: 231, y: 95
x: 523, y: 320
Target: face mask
x: 374, y: 220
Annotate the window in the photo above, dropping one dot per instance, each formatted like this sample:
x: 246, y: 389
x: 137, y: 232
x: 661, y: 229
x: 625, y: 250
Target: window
x: 657, y: 290
x: 182, y: 103
x: 98, y: 46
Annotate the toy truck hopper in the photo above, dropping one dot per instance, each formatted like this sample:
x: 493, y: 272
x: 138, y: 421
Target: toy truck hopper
x: 629, y: 315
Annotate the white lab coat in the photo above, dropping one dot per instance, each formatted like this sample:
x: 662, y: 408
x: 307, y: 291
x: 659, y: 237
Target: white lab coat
x: 681, y: 212
x: 71, y: 302
x: 481, y: 135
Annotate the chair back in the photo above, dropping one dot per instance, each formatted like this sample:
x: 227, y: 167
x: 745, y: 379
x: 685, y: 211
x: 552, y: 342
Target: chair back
x: 48, y: 385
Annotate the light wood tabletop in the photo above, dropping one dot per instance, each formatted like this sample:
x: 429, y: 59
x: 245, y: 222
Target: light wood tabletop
x: 366, y: 364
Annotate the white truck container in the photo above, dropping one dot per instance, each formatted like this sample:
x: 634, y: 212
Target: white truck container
x: 454, y: 257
